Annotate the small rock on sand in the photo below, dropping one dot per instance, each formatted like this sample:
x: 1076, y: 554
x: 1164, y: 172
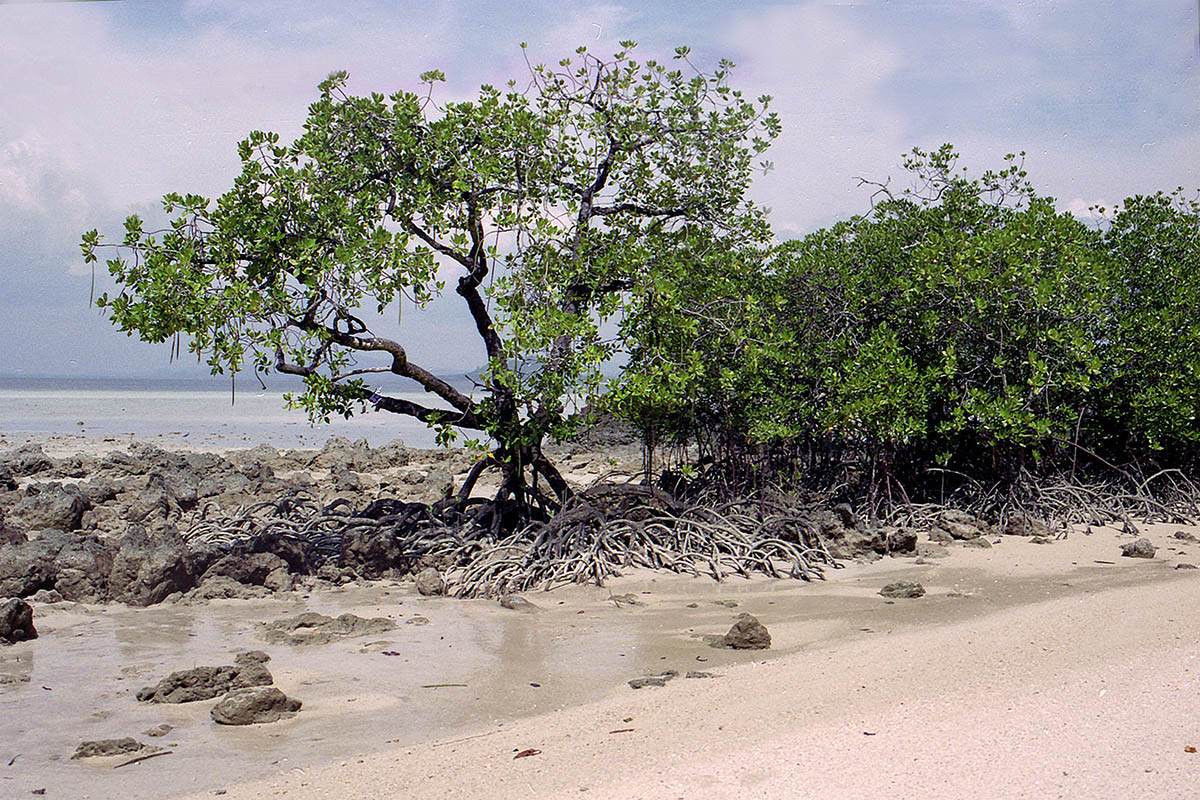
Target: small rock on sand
x: 1184, y: 536
x: 159, y: 730
x: 653, y: 680
x: 1185, y: 565
x: 903, y: 589
x: 1142, y: 548
x: 252, y: 706
x: 515, y: 602
x: 430, y: 583
x: 747, y: 634
x: 107, y: 747
x: 313, y: 628
x: 16, y: 621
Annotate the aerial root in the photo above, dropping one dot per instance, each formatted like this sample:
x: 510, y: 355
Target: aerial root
x: 582, y: 543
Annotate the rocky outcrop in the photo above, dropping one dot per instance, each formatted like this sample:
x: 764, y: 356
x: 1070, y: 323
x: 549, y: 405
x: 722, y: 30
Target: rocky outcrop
x: 205, y: 683
x: 254, y: 706
x: 16, y: 621
x: 26, y: 460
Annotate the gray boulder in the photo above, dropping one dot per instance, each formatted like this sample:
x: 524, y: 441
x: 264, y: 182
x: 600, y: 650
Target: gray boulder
x: 1142, y: 548
x: 26, y: 460
x: 146, y: 571
x: 373, y: 554
x: 16, y: 621
x: 747, y: 634
x: 51, y: 506
x: 251, y: 569
x: 903, y: 589
x: 107, y: 747
x: 311, y: 628
x: 429, y: 582
x: 8, y: 481
x: 254, y: 706
x: 901, y: 541
x: 204, y: 683
x: 1024, y: 526
x: 9, y: 534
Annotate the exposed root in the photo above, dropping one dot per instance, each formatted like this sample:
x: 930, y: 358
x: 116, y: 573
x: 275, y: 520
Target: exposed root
x: 591, y: 539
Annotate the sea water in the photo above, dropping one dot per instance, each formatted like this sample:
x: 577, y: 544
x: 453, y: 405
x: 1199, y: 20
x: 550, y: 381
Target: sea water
x: 199, y: 413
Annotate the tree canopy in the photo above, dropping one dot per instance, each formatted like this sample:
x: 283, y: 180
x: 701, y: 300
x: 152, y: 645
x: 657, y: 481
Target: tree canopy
x: 554, y: 208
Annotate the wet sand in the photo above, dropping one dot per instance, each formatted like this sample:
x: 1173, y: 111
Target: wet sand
x: 1027, y: 670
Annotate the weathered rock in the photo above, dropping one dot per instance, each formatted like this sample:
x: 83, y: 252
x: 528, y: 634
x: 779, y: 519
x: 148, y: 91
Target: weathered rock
x: 1185, y: 565
x: 391, y: 455
x: 46, y: 596
x: 438, y: 485
x: 25, y: 460
x: 978, y: 541
x: 205, y: 683
x: 155, y: 504
x: 9, y: 534
x: 254, y: 706
x: 145, y: 571
x: 1024, y: 526
x: 931, y: 550
x: 8, y: 481
x: 279, y: 580
x: 940, y: 535
x: 429, y: 582
x: 960, y: 531
x: 50, y: 506
x: 337, y: 450
x: 251, y: 569
x: 222, y: 587
x: 653, y: 680
x: 1142, y: 548
x: 16, y: 621
x: 1183, y: 536
x: 159, y: 730
x: 845, y: 515
x: 82, y: 568
x: 747, y: 634
x: 345, y: 479
x: 515, y: 602
x: 373, y: 554
x: 98, y: 490
x: 313, y: 628
x: 25, y: 568
x: 901, y: 541
x: 107, y: 747
x: 903, y: 589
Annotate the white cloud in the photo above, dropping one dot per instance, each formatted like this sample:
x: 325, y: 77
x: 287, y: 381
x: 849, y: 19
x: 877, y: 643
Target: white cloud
x: 825, y: 75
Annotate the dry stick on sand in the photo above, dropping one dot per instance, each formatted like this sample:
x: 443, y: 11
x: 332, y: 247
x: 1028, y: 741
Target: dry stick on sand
x: 143, y: 758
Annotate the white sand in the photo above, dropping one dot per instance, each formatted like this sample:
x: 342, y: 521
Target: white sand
x: 999, y: 693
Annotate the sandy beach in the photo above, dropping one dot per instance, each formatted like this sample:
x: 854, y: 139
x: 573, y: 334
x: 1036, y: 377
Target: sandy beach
x: 1026, y: 670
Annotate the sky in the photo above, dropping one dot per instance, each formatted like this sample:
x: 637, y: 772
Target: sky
x: 106, y: 106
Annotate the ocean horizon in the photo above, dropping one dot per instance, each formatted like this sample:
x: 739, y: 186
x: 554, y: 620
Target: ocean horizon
x: 201, y: 412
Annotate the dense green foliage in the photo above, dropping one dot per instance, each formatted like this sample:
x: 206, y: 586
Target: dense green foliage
x: 964, y: 323
x: 551, y: 207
